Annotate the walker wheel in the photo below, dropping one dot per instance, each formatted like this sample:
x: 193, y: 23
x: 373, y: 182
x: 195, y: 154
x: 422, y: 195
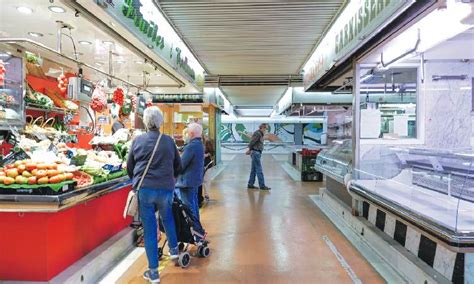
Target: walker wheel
x: 184, y: 260
x: 205, y: 251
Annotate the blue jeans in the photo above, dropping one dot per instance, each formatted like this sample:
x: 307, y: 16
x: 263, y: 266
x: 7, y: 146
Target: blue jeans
x: 256, y: 169
x: 189, y: 196
x: 150, y: 200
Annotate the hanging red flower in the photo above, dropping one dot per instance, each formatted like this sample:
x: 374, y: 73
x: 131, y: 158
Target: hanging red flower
x: 118, y: 96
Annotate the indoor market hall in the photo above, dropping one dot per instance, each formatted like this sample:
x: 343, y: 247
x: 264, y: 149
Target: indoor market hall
x: 236, y: 141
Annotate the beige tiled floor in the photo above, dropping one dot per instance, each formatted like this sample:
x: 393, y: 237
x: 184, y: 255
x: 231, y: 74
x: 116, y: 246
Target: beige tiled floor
x: 264, y: 237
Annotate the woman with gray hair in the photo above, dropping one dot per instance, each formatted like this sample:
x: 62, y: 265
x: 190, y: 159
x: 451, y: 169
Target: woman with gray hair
x: 157, y: 187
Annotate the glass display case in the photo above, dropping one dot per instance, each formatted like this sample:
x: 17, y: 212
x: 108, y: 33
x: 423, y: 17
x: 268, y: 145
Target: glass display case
x: 413, y: 123
x: 11, y: 90
x: 336, y: 161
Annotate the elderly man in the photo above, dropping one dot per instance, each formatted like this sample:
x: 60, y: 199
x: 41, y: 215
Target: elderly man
x: 192, y: 172
x: 255, y: 149
x: 153, y: 164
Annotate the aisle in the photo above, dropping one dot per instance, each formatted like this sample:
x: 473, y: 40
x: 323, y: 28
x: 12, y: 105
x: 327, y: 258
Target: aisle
x: 265, y: 237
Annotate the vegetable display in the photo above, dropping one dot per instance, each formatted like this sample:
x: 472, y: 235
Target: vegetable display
x: 29, y: 172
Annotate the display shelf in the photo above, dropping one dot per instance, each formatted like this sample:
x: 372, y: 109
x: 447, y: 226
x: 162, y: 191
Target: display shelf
x: 336, y: 161
x: 35, y: 107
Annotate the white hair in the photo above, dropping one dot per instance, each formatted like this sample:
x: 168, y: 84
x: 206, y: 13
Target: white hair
x: 194, y: 130
x: 152, y: 117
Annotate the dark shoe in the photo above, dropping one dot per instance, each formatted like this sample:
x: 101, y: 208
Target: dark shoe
x: 265, y: 188
x: 152, y: 276
x: 251, y: 186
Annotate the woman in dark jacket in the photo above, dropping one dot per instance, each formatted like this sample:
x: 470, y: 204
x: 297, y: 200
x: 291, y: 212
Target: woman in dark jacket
x: 156, y: 191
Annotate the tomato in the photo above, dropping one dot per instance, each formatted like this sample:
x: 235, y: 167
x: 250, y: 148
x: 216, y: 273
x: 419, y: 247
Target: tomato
x: 21, y: 168
x: 55, y: 179
x: 32, y: 180
x: 13, y: 173
x: 41, y: 173
x: 68, y: 176
x: 8, y: 180
x: 43, y: 180
x: 52, y: 173
x: 34, y: 172
x: 8, y: 167
x: 30, y: 166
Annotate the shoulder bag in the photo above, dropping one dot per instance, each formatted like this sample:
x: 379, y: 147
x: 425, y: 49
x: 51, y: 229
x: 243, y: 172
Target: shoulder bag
x: 131, y: 206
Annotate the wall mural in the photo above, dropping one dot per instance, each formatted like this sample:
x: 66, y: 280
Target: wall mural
x: 277, y: 132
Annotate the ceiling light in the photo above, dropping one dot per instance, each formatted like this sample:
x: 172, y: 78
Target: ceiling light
x: 139, y: 62
x: 24, y: 10
x: 107, y: 42
x: 120, y: 61
x: 77, y: 53
x: 57, y: 9
x: 99, y: 64
x: 85, y: 42
x: 33, y: 34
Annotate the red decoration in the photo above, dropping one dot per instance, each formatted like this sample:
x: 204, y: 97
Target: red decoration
x: 118, y: 96
x: 2, y: 72
x: 99, y: 99
x: 62, y: 84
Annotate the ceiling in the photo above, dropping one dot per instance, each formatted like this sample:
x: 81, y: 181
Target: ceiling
x: 126, y: 64
x: 251, y: 37
x: 254, y: 95
x: 245, y: 37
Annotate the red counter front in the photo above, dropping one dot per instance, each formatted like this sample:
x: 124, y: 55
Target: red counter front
x: 36, y: 246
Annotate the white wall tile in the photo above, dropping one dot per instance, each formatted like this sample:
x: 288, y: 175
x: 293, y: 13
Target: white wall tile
x: 444, y: 261
x: 412, y: 242
x: 389, y: 225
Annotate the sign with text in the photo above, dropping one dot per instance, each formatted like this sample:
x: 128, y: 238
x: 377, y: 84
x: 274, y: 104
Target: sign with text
x: 357, y: 23
x: 128, y: 13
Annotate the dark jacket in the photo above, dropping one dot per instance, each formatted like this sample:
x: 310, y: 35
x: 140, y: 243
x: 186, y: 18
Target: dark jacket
x: 165, y: 166
x: 192, y: 164
x: 256, y: 143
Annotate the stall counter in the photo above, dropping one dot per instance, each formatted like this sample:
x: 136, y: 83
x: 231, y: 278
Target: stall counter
x: 42, y: 236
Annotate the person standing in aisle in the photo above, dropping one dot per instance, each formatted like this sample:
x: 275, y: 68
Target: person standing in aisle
x: 156, y: 191
x: 255, y: 150
x: 192, y: 172
x: 208, y: 164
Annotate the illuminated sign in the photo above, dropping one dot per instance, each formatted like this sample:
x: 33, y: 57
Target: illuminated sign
x: 355, y: 25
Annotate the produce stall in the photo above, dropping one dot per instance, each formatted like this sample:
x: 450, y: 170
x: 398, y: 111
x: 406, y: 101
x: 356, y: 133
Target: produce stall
x: 63, y: 178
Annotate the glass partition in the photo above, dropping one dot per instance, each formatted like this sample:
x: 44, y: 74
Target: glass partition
x: 11, y: 90
x: 414, y: 120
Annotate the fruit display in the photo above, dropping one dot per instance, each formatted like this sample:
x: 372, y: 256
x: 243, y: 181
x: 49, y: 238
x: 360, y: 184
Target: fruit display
x: 82, y: 179
x: 30, y: 172
x: 62, y: 83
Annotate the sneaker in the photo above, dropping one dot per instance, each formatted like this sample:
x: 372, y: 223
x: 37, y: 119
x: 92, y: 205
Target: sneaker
x: 265, y: 188
x: 251, y: 186
x: 174, y: 254
x: 152, y: 276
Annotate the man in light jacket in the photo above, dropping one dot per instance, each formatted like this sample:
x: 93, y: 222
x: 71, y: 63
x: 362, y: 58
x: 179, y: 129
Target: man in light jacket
x: 192, y: 173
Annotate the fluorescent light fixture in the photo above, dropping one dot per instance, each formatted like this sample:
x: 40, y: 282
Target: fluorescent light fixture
x: 57, y: 9
x: 120, y: 61
x: 139, y: 62
x: 24, y: 10
x: 107, y: 42
x: 99, y: 64
x: 85, y: 42
x: 465, y: 88
x: 77, y: 53
x: 33, y: 34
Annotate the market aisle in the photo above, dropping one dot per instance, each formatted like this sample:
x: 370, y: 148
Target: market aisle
x: 265, y: 237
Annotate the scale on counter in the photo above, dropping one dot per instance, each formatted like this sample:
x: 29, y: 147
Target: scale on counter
x: 80, y: 90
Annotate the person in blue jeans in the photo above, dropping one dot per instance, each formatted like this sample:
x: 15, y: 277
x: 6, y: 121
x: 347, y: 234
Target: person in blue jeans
x: 156, y: 192
x: 255, y: 149
x: 192, y: 173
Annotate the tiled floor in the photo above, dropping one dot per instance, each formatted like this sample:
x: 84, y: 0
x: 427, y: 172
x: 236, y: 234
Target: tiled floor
x: 265, y: 237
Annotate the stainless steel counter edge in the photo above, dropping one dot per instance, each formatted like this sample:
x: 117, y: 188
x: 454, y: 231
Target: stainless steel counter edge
x: 63, y: 201
x: 326, y: 172
x: 458, y: 241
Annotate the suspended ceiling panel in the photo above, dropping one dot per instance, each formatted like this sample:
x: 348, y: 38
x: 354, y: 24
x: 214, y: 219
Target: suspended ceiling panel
x: 251, y: 37
x: 254, y: 95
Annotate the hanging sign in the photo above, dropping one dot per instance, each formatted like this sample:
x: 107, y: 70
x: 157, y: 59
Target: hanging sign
x: 129, y: 14
x: 357, y: 23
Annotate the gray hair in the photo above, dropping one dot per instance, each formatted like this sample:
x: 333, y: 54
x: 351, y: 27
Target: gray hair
x: 195, y: 129
x: 152, y: 117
